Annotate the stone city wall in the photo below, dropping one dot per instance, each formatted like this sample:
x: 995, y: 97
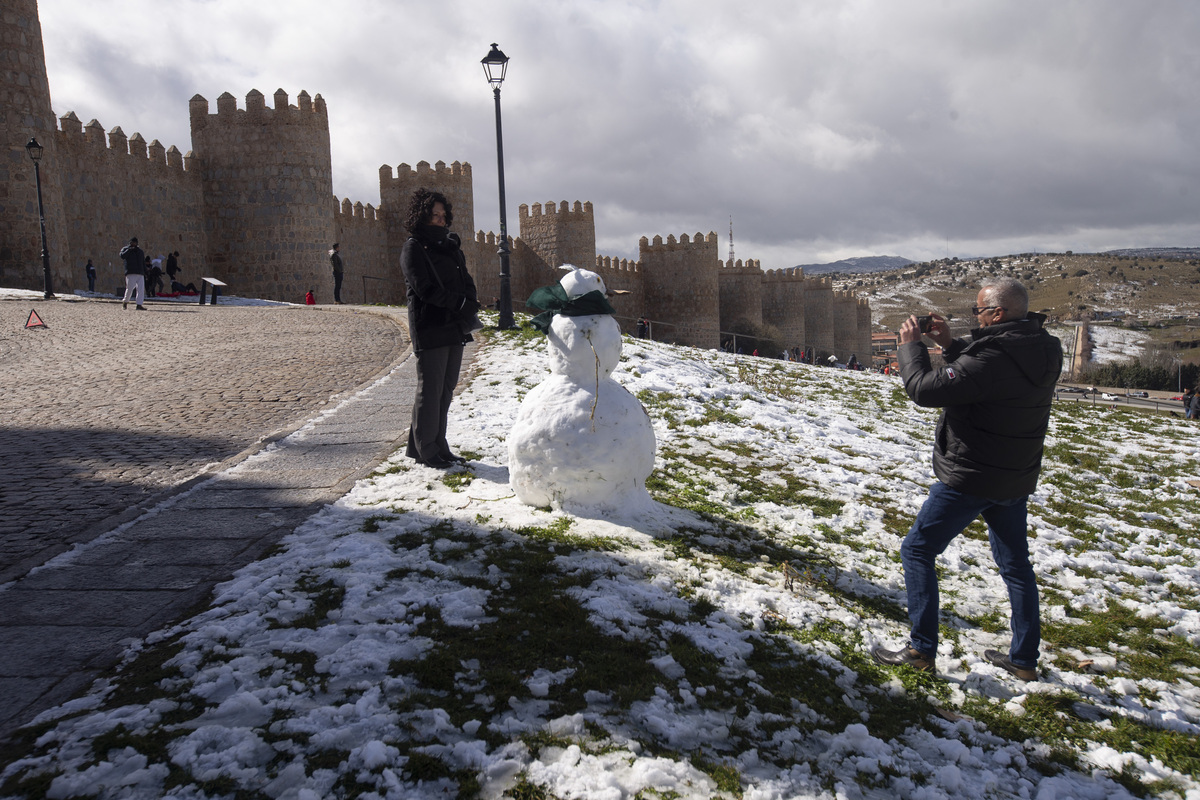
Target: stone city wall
x: 783, y: 305
x: 741, y: 285
x: 252, y: 204
x: 267, y: 178
x: 121, y: 188
x: 25, y: 113
x: 819, y: 318
x: 682, y: 293
x: 396, y: 190
x: 845, y: 327
x: 367, y: 277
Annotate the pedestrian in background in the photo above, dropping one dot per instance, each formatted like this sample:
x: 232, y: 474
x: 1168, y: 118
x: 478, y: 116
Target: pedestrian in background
x: 90, y: 271
x: 995, y: 392
x: 135, y: 274
x: 335, y: 261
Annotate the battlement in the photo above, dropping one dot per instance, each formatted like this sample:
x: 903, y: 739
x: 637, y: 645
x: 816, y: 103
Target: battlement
x: 422, y: 170
x: 751, y: 266
x: 74, y: 137
x: 780, y: 275
x: 610, y: 264
x: 683, y: 243
x: 307, y: 111
x: 584, y: 210
x: 492, y: 239
x: 355, y: 211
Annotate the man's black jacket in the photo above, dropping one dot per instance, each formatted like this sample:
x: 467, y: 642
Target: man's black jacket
x: 995, y: 394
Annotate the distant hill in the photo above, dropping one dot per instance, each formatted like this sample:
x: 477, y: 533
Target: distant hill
x: 1156, y: 252
x: 1155, y: 290
x: 858, y: 266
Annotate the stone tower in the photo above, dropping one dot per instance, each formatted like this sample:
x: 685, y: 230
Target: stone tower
x: 864, y: 328
x: 554, y: 236
x: 25, y: 112
x: 395, y: 190
x: 741, y: 296
x: 818, y: 318
x: 846, y: 341
x: 682, y: 288
x: 783, y: 303
x: 268, y: 183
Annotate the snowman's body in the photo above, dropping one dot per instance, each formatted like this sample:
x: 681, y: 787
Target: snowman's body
x: 581, y: 439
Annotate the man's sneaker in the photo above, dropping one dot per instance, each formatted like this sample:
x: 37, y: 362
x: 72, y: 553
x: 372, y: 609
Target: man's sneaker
x: 906, y: 655
x: 141, y: 308
x: 1002, y: 661
x: 125, y: 304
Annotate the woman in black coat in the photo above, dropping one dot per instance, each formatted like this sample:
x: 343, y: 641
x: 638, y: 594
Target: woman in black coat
x: 441, y: 306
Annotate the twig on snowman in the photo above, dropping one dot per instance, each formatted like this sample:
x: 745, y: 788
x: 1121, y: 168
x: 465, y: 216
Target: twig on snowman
x: 596, y: 397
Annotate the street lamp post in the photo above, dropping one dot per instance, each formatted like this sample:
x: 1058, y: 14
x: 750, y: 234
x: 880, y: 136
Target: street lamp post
x: 495, y: 64
x: 35, y: 155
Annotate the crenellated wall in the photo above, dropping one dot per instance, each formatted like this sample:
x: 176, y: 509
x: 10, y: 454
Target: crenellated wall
x: 362, y: 239
x: 741, y: 287
x: 783, y: 303
x: 845, y: 326
x: 252, y: 204
x: 864, y: 328
x: 25, y: 112
x: 818, y: 317
x: 123, y: 188
x: 267, y: 177
x: 396, y: 189
x: 554, y: 236
x: 625, y: 276
x: 682, y: 293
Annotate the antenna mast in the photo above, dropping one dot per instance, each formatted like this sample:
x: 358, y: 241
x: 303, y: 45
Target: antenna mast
x: 731, y: 240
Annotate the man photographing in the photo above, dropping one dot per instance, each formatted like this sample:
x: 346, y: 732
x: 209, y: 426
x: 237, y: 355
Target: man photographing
x: 995, y: 393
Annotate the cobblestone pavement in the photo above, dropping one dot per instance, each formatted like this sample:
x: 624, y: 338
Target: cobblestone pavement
x: 106, y: 409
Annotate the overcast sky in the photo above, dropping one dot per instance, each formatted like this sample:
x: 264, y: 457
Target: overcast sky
x: 825, y: 128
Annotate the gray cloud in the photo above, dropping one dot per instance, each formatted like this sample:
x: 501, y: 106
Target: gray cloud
x: 826, y: 129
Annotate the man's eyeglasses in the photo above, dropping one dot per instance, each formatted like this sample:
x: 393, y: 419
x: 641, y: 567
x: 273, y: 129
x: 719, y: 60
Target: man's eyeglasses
x: 977, y: 310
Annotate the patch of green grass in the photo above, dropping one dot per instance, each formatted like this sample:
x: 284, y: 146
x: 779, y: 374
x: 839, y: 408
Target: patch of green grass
x: 558, y: 532
x: 1138, y: 639
x: 458, y: 480
x: 525, y: 789
x: 535, y: 625
x: 725, y: 776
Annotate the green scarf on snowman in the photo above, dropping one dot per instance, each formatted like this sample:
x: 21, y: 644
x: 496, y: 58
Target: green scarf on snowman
x: 554, y: 300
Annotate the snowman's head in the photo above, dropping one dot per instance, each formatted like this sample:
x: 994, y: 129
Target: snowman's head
x: 580, y: 281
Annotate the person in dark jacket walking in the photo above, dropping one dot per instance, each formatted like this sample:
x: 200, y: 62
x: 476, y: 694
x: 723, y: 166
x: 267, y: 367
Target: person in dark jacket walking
x: 995, y: 394
x: 442, y: 304
x: 90, y: 271
x: 335, y: 261
x: 135, y: 274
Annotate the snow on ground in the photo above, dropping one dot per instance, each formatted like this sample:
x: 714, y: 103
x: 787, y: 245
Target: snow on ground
x: 1111, y: 344
x: 430, y: 636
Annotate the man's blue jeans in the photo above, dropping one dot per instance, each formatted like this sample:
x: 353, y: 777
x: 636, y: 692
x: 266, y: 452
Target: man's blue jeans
x: 944, y: 515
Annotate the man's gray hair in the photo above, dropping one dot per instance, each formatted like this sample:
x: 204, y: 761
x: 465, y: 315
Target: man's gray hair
x: 1009, y: 294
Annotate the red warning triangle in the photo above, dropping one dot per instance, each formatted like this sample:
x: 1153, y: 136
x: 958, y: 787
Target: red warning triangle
x: 34, y: 321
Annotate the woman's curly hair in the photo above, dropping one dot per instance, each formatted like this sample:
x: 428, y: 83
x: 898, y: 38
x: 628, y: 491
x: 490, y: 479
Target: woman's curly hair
x: 420, y: 208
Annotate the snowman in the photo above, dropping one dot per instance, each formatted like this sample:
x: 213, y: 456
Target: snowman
x: 581, y: 439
